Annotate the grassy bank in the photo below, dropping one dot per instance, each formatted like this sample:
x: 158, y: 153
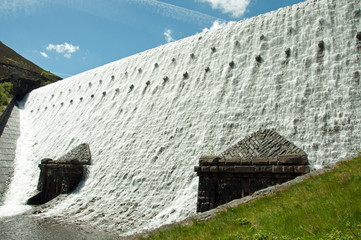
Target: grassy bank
x: 326, y: 206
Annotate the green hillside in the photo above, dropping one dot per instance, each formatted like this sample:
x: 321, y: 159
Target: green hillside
x: 14, y: 67
x: 326, y: 206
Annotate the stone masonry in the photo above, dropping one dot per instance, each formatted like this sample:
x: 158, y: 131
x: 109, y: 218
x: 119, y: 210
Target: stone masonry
x: 262, y: 159
x: 8, y: 138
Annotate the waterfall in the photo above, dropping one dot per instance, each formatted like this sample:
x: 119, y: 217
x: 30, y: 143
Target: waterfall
x: 149, y: 117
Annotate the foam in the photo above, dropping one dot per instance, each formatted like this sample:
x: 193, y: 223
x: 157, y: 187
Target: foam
x: 146, y: 139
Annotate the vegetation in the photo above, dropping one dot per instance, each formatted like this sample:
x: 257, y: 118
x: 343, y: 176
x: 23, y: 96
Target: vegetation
x: 48, y: 75
x: 5, y: 94
x: 327, y: 206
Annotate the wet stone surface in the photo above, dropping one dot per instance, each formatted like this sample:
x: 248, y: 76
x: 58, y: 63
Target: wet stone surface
x: 25, y: 227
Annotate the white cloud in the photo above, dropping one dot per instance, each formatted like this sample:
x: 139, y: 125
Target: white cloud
x: 66, y: 49
x: 168, y: 35
x: 177, y: 12
x: 18, y: 7
x: 216, y: 24
x: 107, y: 9
x: 235, y: 7
x: 67, y: 55
x: 44, y: 54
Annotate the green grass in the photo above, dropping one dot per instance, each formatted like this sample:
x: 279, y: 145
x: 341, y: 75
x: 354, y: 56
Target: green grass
x: 326, y: 206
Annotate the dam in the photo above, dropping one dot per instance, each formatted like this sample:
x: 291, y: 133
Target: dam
x: 149, y: 117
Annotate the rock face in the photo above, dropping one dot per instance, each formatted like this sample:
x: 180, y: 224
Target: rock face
x: 260, y: 160
x: 61, y: 176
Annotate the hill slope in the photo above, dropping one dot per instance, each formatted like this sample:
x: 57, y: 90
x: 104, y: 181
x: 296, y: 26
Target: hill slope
x: 326, y: 206
x: 10, y: 57
x: 12, y: 63
x: 14, y: 67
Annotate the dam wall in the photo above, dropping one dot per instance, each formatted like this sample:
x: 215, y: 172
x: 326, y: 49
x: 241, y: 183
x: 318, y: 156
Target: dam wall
x: 149, y: 117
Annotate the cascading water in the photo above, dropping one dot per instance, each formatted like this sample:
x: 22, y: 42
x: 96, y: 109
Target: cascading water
x: 149, y: 117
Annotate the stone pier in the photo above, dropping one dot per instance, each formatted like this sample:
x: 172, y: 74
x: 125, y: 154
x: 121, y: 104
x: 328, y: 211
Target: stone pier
x: 61, y: 176
x: 263, y: 159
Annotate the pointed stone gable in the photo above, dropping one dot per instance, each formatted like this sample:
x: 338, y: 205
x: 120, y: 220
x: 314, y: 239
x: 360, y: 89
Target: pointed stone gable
x: 81, y: 153
x: 262, y: 144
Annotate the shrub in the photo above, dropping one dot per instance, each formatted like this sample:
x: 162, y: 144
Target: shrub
x: 6, y: 88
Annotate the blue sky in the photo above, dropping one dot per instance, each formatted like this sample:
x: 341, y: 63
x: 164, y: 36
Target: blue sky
x: 68, y: 37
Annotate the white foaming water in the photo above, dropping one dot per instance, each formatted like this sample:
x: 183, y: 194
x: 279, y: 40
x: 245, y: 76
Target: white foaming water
x: 21, y: 184
x: 147, y: 122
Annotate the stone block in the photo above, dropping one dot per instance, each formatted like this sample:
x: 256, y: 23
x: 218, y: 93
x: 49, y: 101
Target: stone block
x: 6, y: 151
x: 233, y: 161
x: 226, y: 169
x: 46, y: 160
x: 288, y: 169
x: 6, y: 163
x: 260, y: 161
x: 273, y: 161
x: 3, y: 158
x: 213, y: 169
x: 205, y: 169
x: 277, y: 169
x: 244, y: 169
x: 263, y: 169
x: 202, y: 207
x: 5, y: 171
x: 246, y: 161
x: 301, y: 169
x: 7, y: 145
x: 291, y: 159
x: 209, y: 160
x: 201, y: 193
x: 222, y: 162
x: 201, y: 198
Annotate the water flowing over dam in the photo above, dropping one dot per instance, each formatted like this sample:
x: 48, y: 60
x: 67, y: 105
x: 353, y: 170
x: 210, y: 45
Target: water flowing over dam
x: 149, y: 117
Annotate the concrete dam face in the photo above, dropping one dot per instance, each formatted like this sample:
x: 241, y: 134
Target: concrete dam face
x: 149, y: 117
